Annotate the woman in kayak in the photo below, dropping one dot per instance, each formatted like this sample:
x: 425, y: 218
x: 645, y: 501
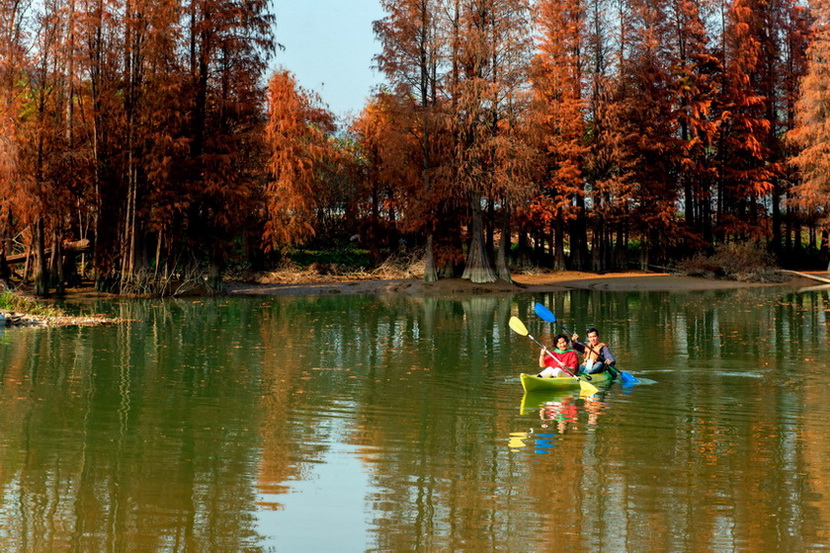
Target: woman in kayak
x: 554, y: 361
x: 596, y: 356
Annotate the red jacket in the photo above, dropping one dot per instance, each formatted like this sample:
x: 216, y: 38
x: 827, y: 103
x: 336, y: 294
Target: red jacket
x: 568, y: 358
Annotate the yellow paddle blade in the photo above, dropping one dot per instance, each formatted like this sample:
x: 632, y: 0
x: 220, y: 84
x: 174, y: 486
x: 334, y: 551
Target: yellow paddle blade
x: 518, y: 326
x: 586, y: 388
x: 517, y: 440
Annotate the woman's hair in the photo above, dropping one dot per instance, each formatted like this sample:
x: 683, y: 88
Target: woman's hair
x: 556, y: 338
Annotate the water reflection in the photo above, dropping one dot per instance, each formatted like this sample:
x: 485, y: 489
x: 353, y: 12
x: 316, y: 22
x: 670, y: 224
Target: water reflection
x: 106, y: 447
x: 356, y: 423
x: 557, y: 413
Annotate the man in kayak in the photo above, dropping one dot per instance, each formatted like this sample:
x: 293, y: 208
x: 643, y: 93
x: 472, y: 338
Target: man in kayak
x: 559, y: 362
x: 596, y: 356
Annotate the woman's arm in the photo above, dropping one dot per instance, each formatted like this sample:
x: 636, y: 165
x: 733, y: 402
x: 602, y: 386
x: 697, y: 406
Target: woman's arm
x: 542, y: 363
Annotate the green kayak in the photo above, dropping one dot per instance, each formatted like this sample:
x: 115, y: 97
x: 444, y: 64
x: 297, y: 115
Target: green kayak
x: 532, y: 383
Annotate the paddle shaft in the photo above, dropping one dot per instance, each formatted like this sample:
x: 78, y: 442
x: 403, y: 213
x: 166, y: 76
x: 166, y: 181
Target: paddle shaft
x: 544, y: 347
x: 561, y: 364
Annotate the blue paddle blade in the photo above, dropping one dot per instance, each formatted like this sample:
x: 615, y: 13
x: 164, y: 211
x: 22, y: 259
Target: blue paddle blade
x: 628, y: 379
x: 544, y: 313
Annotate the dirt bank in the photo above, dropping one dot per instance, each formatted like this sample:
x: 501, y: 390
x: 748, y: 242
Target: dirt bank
x: 536, y: 283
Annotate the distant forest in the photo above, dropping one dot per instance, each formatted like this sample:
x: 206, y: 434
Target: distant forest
x: 145, y: 139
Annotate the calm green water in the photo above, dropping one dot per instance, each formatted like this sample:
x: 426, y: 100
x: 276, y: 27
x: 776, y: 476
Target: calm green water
x: 306, y: 424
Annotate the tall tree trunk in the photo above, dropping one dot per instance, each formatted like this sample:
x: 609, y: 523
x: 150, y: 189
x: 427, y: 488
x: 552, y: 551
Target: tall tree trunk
x: 579, y: 238
x: 374, y: 228
x: 539, y: 248
x: 559, y: 263
x: 28, y: 265
x: 159, y: 239
x: 798, y: 246
x: 706, y: 220
x: 597, y: 246
x: 502, y: 270
x: 621, y: 248
x: 41, y: 272
x: 478, y: 268
x: 215, y: 270
x: 550, y: 240
x: 430, y: 273
x: 644, y: 253
x: 5, y: 270
x: 490, y: 226
x: 684, y: 178
x: 70, y: 76
x: 689, y: 201
x: 128, y: 238
x: 524, y: 249
x: 56, y: 277
x: 776, y: 219
x: 102, y: 253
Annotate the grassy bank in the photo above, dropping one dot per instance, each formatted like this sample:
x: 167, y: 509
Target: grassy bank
x: 13, y: 302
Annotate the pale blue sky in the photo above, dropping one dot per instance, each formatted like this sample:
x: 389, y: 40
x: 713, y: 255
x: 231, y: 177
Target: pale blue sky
x: 329, y: 45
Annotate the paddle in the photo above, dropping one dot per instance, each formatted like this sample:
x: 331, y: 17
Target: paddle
x: 519, y: 328
x: 546, y: 314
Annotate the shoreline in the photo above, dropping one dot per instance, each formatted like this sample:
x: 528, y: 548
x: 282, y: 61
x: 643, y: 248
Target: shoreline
x: 523, y: 284
x: 560, y: 281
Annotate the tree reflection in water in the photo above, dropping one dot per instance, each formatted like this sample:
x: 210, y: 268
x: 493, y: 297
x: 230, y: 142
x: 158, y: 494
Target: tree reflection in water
x: 202, y: 424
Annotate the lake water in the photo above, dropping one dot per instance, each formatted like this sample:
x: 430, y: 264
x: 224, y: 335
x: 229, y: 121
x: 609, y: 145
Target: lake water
x: 350, y: 423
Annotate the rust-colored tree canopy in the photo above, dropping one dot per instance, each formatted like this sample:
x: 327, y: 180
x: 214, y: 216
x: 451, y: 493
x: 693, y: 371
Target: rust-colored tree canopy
x: 570, y: 134
x: 811, y: 135
x: 296, y: 137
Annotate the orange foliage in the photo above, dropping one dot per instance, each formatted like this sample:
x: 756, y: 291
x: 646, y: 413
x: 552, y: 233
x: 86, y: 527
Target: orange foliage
x: 297, y: 139
x: 812, y: 132
x: 386, y: 171
x: 746, y: 173
x: 140, y: 125
x: 559, y: 105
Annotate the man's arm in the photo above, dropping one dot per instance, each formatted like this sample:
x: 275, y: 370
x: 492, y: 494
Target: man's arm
x: 609, y: 357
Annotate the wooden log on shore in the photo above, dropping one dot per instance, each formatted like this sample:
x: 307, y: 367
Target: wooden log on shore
x: 824, y: 279
x: 77, y: 246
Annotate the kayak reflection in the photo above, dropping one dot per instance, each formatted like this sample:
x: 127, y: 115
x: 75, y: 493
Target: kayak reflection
x: 559, y: 413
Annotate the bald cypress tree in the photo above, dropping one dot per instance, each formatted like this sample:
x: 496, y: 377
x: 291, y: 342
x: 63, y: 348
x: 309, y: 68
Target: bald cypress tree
x: 812, y: 131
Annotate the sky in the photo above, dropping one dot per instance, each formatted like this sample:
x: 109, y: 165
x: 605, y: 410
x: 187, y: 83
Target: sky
x: 329, y: 46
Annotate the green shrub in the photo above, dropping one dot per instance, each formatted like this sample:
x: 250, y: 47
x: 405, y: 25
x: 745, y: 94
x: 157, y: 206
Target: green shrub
x: 347, y: 257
